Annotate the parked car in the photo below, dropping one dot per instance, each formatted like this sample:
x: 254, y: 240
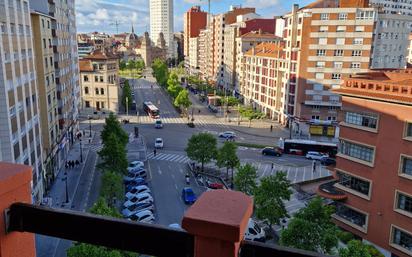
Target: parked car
x: 273, y: 151
x: 134, y: 175
x: 327, y: 161
x: 158, y: 143
x: 227, y: 135
x: 315, y: 155
x: 136, y: 182
x: 143, y: 216
x: 212, y: 108
x: 127, y: 212
x: 216, y: 186
x: 140, y: 198
x: 175, y: 226
x: 135, y: 165
x: 158, y: 123
x: 137, y: 190
x: 188, y: 195
x: 254, y: 232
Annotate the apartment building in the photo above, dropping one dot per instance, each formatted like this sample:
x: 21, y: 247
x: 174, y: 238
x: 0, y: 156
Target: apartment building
x: 409, y: 56
x: 99, y: 73
x: 264, y: 68
x: 194, y: 20
x: 244, y: 43
x: 192, y: 59
x: 20, y: 127
x: 205, y: 55
x: 327, y: 41
x: 394, y: 6
x: 43, y: 49
x: 161, y: 21
x: 373, y: 187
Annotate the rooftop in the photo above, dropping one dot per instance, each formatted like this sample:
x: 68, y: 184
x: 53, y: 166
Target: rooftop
x: 99, y: 55
x: 85, y: 65
x: 266, y: 49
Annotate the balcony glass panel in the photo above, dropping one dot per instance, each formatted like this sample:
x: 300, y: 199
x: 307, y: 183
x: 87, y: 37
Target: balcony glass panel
x: 351, y: 215
x: 354, y: 183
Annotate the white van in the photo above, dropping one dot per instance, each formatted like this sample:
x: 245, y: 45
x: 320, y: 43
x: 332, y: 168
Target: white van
x: 254, y: 232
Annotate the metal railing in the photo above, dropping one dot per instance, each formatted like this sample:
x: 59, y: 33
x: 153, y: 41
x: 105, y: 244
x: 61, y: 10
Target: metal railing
x: 155, y: 240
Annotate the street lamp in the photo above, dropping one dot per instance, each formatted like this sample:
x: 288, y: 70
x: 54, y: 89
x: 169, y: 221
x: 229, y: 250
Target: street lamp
x: 81, y: 151
x: 90, y: 126
x: 67, y: 191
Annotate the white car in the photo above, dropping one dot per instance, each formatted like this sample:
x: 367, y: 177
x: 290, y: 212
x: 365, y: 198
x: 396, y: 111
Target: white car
x: 127, y: 212
x: 134, y: 165
x: 145, y: 197
x: 315, y: 155
x: 227, y: 134
x: 158, y: 143
x: 254, y: 232
x: 143, y: 216
x: 137, y: 190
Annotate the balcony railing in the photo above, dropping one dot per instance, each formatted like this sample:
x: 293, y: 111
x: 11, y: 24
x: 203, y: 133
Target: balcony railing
x: 122, y: 234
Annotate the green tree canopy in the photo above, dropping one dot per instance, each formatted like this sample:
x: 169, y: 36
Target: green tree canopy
x: 227, y: 157
x: 112, y: 187
x: 112, y: 126
x: 355, y: 248
x: 202, y: 148
x: 160, y: 71
x: 174, y: 90
x: 250, y: 114
x: 113, y: 155
x: 122, y: 65
x: 270, y: 196
x: 182, y: 99
x: 127, y: 93
x: 230, y: 101
x: 245, y: 179
x: 312, y: 229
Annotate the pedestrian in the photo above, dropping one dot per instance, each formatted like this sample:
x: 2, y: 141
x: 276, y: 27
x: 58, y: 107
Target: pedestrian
x: 154, y: 152
x: 77, y: 163
x: 198, y: 111
x: 66, y: 165
x: 72, y: 162
x: 313, y: 166
x: 272, y: 166
x: 271, y: 128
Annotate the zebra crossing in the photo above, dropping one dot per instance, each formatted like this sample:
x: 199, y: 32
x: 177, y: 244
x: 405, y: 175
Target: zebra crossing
x: 200, y: 123
x: 168, y: 157
x: 144, y: 86
x: 95, y: 147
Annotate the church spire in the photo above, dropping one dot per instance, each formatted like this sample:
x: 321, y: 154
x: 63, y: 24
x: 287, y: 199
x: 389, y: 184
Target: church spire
x: 132, y: 29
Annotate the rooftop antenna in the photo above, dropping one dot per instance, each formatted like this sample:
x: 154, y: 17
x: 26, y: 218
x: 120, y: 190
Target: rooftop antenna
x: 116, y: 23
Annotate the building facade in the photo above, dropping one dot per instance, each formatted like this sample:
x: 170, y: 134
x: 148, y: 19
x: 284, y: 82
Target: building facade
x: 42, y: 40
x: 193, y: 56
x: 263, y: 78
x: 394, y: 6
x: 194, y: 20
x: 373, y: 187
x: 161, y: 21
x: 100, y: 90
x: 20, y: 127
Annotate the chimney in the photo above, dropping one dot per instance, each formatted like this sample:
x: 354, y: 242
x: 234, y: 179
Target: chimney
x: 253, y: 50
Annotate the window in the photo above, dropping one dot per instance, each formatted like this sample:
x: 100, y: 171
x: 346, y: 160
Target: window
x: 319, y: 75
x: 323, y: 41
x: 356, y: 53
x: 85, y: 78
x: 324, y: 16
x: 317, y: 87
x: 353, y: 183
x: 360, y: 119
x: 408, y: 129
x: 323, y: 29
x: 96, y: 78
x: 403, y: 202
x: 359, y: 28
x: 337, y: 65
x: 358, y: 151
x: 401, y: 239
x: 44, y: 43
x: 102, y: 91
x: 338, y: 52
x: 102, y: 105
x: 336, y: 76
x: 355, y: 65
x: 406, y: 165
x: 351, y: 215
x: 343, y: 16
x: 317, y: 97
x: 86, y: 90
x: 364, y: 15
x: 3, y: 28
x: 332, y: 118
x: 341, y: 29
x: 320, y: 64
x: 101, y: 78
x: 320, y: 52
x: 340, y: 41
x: 87, y: 104
x: 358, y: 41
x: 315, y: 117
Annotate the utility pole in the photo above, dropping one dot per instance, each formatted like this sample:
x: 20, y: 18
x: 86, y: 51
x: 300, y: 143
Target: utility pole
x: 116, y: 23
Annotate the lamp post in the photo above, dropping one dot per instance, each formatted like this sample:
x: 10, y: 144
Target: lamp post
x: 81, y: 151
x: 67, y: 191
x: 90, y: 126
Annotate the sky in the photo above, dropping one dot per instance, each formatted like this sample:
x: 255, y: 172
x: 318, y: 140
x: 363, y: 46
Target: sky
x: 101, y: 15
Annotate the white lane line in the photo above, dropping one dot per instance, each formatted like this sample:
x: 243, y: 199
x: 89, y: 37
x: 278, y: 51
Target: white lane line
x: 159, y: 170
x: 181, y: 170
x: 161, y: 157
x: 264, y: 171
x: 176, y: 188
x: 296, y: 175
x: 171, y: 157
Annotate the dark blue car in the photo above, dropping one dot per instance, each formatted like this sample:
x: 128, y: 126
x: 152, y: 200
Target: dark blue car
x: 188, y: 195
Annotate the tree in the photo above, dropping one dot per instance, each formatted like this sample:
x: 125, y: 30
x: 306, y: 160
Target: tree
x: 112, y: 187
x: 202, y: 148
x: 127, y: 93
x: 230, y: 101
x: 122, y: 65
x: 160, y: 71
x: 355, y: 248
x: 227, y: 157
x: 250, y: 114
x: 113, y: 155
x: 182, y: 100
x: 270, y: 196
x: 112, y: 126
x: 245, y: 179
x: 312, y: 229
x: 174, y: 90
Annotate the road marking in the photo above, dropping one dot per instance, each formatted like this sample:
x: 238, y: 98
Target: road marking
x: 181, y: 170
x: 176, y: 187
x: 264, y: 171
x: 296, y: 175
x: 158, y: 170
x: 173, y: 176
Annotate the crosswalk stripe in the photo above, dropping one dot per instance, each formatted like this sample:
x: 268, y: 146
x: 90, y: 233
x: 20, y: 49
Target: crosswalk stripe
x: 161, y: 156
x: 181, y: 159
x: 170, y: 157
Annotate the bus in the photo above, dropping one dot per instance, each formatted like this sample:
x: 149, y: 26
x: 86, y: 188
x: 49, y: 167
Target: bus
x: 301, y: 147
x: 151, y: 110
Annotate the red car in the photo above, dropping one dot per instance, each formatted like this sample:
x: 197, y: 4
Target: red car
x: 216, y: 186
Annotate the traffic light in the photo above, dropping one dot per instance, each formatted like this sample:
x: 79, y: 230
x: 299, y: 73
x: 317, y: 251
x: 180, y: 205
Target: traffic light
x: 136, y: 131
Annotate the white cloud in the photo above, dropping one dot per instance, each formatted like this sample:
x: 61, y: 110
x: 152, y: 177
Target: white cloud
x: 100, y: 15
